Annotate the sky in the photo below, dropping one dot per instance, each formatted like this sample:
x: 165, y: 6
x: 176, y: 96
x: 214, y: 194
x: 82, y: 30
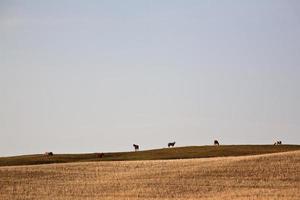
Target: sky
x: 98, y: 76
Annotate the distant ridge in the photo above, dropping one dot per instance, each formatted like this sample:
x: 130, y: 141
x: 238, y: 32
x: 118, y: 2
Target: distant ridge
x: 155, y: 154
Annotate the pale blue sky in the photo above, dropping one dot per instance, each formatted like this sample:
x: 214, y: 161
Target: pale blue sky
x: 89, y: 76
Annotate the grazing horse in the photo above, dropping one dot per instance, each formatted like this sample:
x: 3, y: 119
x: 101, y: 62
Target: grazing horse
x: 278, y: 143
x: 100, y: 155
x: 136, y: 147
x: 49, y: 153
x: 216, y: 142
x: 171, y: 144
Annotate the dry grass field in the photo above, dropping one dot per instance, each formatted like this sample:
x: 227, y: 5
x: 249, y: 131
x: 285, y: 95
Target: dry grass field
x: 269, y: 176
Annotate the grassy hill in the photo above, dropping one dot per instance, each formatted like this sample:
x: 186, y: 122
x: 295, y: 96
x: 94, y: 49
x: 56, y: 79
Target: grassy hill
x: 156, y: 154
x: 268, y: 176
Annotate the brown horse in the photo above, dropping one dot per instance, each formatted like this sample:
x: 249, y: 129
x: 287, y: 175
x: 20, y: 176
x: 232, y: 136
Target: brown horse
x: 278, y: 143
x: 48, y: 153
x: 136, y: 147
x: 216, y: 142
x: 100, y: 155
x: 171, y: 144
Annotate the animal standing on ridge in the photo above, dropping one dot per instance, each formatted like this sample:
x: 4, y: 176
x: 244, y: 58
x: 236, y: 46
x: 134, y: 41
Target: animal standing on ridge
x: 48, y: 153
x: 171, y: 144
x: 278, y: 143
x: 100, y: 155
x: 136, y: 147
x: 216, y: 142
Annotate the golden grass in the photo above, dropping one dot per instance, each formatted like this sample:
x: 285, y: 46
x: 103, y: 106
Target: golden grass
x: 270, y: 176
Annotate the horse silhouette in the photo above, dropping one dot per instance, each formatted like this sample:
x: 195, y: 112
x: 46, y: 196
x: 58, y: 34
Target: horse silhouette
x: 48, y: 153
x: 171, y: 144
x: 136, y: 147
x: 278, y: 143
x: 216, y: 142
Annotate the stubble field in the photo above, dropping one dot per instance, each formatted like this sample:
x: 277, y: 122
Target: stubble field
x: 269, y: 176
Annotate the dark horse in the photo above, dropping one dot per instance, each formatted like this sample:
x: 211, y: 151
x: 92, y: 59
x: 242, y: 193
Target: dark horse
x: 278, y: 143
x: 171, y: 144
x: 136, y: 147
x: 100, y: 155
x: 216, y: 142
x: 49, y: 153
